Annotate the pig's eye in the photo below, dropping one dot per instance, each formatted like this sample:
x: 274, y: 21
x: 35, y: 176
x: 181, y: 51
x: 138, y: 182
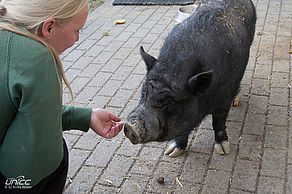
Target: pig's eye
x: 164, y: 103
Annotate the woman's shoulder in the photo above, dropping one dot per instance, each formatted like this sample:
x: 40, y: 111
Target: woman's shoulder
x: 25, y: 45
x: 25, y: 50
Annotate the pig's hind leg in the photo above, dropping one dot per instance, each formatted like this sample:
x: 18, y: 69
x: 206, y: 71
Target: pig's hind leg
x: 221, y: 138
x: 177, y: 146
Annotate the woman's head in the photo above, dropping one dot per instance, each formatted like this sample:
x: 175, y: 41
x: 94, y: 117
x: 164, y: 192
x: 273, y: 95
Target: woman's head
x: 54, y: 23
x: 58, y: 16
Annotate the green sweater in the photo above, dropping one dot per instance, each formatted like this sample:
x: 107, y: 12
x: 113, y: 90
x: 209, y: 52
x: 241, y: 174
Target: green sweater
x: 32, y: 117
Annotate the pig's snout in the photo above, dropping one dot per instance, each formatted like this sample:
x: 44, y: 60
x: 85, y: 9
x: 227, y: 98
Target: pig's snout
x: 132, y: 134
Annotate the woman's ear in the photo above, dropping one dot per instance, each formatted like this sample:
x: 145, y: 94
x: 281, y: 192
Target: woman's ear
x: 46, y: 28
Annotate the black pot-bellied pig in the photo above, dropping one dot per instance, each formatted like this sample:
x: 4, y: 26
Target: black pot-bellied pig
x: 198, y: 72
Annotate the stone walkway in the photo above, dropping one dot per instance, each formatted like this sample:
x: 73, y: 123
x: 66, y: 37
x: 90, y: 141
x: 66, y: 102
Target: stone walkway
x: 106, y: 71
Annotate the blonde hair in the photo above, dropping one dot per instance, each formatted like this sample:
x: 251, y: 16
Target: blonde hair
x: 31, y: 14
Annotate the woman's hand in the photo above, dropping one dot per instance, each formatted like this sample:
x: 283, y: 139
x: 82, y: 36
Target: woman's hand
x: 105, y: 123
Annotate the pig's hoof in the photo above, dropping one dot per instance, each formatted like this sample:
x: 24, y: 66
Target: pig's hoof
x: 236, y: 101
x: 222, y: 148
x: 173, y: 151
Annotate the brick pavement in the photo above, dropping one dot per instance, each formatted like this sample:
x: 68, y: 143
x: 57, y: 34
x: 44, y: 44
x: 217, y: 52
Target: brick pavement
x: 105, y: 70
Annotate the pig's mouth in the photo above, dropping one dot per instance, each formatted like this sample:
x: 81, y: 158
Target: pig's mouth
x: 142, y: 132
x: 132, y: 134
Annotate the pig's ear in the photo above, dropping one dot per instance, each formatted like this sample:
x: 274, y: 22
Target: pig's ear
x: 200, y: 82
x: 148, y: 59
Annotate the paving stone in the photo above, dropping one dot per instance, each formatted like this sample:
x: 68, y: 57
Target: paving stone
x: 216, y: 182
x: 254, y: 124
x: 112, y: 65
x: 258, y: 104
x: 260, y: 87
x: 134, y: 183
x: 170, y: 173
x: 84, y: 180
x: 275, y: 137
x: 245, y: 175
x: 262, y: 71
x: 74, y: 55
x: 179, y: 160
x: 132, y: 42
x: 150, y: 38
x: 271, y: 185
x: 86, y: 44
x: 206, y: 123
x: 103, y: 153
x: 149, y: 24
x: 121, y: 98
x: 133, y: 82
x: 282, y: 46
x: 141, y: 32
x: 99, y: 101
x: 122, y: 53
x: 105, y: 40
x: 233, y: 191
x: 132, y: 59
x: 101, y: 189
x: 91, y: 70
x: 103, y: 57
x: 140, y: 68
x: 247, y: 77
x: 145, y: 162
x: 79, y: 83
x: 223, y: 162
x: 116, y: 172
x: 66, y: 65
x: 279, y: 96
x: 279, y: 80
x: 87, y: 94
x: 88, y: 141
x: 100, y: 79
x: 237, y: 113
x: 71, y: 74
x: 290, y: 143
x: 281, y: 65
x: 289, y: 182
x: 250, y: 147
x: 70, y: 139
x: 273, y: 163
x: 129, y: 107
x: 244, y: 94
x: 234, y: 131
x: 133, y: 27
x: 114, y: 46
x: 94, y: 51
x: 195, y: 167
x: 203, y: 141
x: 186, y: 188
x: 123, y: 37
x: 128, y: 149
x: 278, y: 115
x: 110, y: 88
x: 80, y: 157
x: 82, y: 62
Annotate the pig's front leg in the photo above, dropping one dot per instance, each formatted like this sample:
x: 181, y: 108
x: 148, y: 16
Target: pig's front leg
x: 221, y: 138
x: 177, y: 146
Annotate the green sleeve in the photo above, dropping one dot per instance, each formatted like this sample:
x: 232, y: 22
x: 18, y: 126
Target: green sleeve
x: 76, y: 118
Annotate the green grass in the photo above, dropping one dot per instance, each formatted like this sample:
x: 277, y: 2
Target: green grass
x: 94, y: 4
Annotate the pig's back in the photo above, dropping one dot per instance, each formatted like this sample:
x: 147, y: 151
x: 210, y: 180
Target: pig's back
x: 216, y: 37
